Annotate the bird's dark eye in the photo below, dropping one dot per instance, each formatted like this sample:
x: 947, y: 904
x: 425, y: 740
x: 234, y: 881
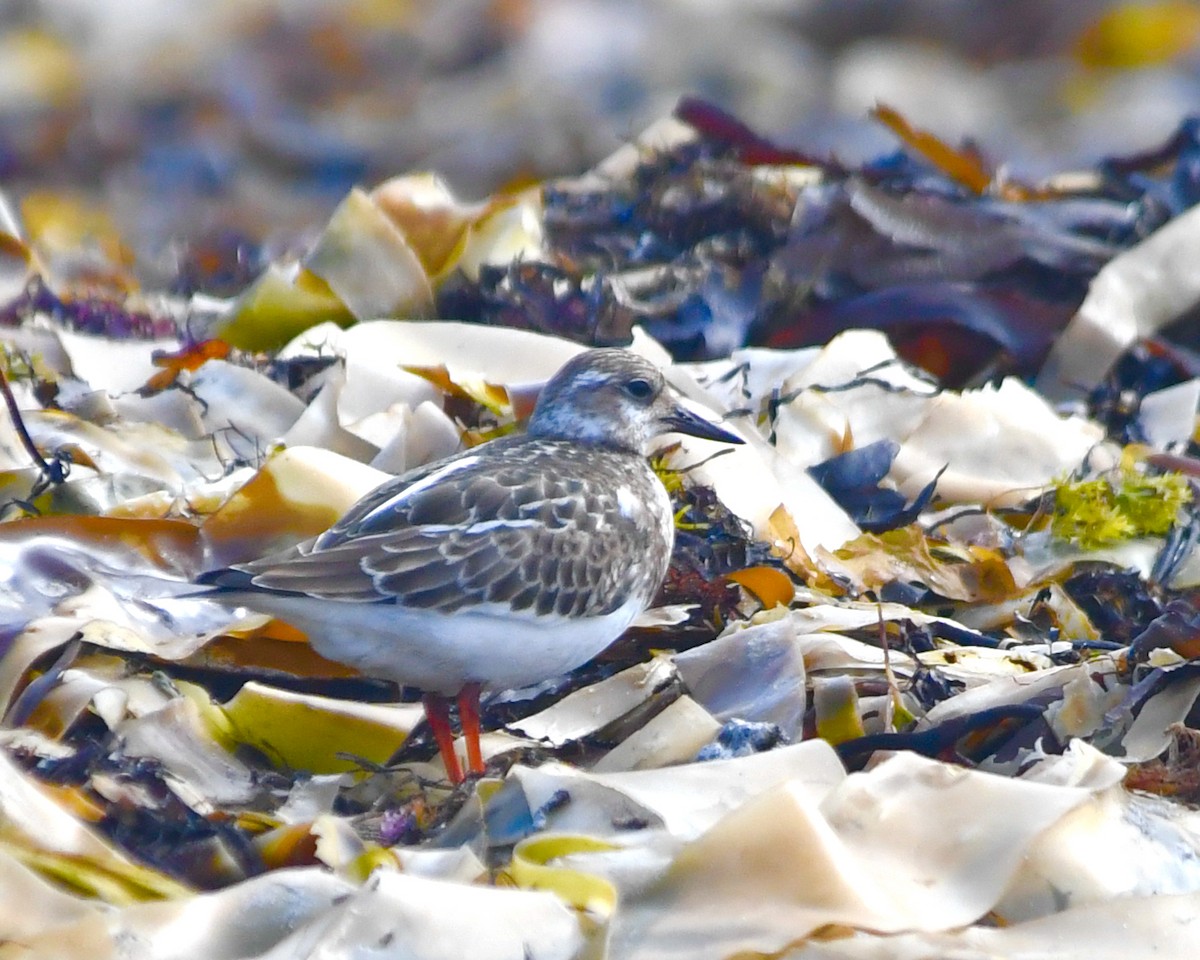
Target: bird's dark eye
x: 639, y: 389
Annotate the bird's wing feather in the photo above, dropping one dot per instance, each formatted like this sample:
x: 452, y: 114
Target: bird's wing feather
x: 519, y: 530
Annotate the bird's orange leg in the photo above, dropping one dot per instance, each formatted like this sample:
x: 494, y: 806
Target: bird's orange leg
x: 437, y: 712
x: 468, y: 715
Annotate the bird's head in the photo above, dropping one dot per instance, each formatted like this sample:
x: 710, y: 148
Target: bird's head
x: 614, y: 398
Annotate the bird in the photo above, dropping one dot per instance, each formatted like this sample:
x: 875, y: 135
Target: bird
x: 500, y: 566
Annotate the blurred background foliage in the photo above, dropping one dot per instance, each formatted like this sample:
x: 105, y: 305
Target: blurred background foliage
x: 179, y: 119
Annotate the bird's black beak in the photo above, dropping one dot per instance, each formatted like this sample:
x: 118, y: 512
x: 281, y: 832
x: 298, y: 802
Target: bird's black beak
x: 682, y: 420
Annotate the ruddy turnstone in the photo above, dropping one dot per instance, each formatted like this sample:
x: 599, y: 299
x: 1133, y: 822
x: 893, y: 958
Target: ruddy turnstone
x: 501, y: 566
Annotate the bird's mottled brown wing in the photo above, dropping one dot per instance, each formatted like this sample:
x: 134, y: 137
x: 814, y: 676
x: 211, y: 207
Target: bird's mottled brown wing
x: 519, y: 528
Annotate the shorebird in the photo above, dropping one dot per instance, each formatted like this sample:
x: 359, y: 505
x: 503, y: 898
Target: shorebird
x: 500, y: 566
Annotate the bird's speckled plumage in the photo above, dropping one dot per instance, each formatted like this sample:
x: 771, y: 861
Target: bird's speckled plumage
x: 541, y: 527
